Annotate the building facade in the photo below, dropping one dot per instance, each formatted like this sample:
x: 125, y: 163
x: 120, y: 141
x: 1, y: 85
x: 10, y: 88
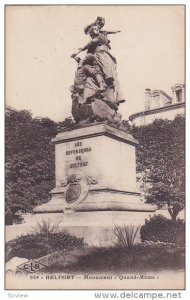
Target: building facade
x: 159, y: 105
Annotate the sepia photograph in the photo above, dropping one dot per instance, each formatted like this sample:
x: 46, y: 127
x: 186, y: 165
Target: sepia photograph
x: 95, y: 147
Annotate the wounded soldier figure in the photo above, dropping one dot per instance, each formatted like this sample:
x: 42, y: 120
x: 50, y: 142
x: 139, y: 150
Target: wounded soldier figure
x: 88, y: 80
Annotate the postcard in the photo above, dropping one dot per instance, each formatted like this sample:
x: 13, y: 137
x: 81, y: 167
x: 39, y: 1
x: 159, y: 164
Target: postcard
x: 95, y: 147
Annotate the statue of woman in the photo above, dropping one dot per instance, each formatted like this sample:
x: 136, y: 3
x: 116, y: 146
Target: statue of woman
x: 99, y: 47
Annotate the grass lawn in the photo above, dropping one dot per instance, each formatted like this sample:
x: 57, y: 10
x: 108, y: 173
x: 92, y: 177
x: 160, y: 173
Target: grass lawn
x: 142, y: 257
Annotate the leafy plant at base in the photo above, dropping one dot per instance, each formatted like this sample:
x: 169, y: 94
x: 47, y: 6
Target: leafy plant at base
x: 161, y: 229
x: 126, y: 236
x: 46, y: 228
x: 45, y: 239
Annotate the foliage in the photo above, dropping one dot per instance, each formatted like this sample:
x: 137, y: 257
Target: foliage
x: 39, y: 244
x: 46, y: 228
x: 161, y: 229
x: 68, y: 123
x: 29, y: 159
x: 161, y: 162
x: 126, y: 236
x: 143, y: 258
x: 126, y: 125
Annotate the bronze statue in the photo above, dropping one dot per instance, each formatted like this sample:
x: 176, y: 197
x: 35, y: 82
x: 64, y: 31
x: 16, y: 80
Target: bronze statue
x: 96, y: 82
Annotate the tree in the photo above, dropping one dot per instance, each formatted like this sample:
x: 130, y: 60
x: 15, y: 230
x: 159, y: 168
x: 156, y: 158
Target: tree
x: 68, y: 123
x: 161, y: 160
x: 29, y: 159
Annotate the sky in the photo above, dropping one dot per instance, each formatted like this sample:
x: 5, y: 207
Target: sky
x: 40, y: 40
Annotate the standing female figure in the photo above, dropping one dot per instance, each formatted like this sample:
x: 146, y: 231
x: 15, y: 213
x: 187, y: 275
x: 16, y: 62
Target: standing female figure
x: 99, y: 46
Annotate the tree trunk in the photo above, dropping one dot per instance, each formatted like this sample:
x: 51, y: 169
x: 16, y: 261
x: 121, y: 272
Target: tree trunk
x: 174, y: 211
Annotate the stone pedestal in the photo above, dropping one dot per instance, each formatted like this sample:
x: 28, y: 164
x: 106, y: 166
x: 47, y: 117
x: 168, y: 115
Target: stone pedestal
x: 95, y: 171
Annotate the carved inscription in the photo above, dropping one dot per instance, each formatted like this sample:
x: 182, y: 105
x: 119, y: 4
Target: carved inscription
x: 78, y: 151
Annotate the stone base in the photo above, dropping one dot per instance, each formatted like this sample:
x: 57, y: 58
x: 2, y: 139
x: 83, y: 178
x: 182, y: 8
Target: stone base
x: 97, y: 228
x: 97, y: 201
x: 95, y: 171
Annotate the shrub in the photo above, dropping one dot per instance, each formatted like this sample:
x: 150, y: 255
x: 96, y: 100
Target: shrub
x: 42, y: 242
x: 161, y: 229
x: 126, y: 236
x: 46, y: 227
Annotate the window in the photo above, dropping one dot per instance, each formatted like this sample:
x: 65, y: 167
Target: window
x: 179, y: 95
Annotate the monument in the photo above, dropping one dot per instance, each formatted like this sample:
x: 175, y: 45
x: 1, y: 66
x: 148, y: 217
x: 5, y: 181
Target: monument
x: 95, y: 161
